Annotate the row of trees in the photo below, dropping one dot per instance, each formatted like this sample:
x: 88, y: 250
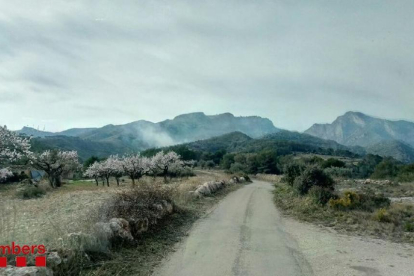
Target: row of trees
x: 136, y: 166
x: 57, y: 163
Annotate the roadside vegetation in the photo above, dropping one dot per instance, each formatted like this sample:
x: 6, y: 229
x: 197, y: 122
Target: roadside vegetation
x: 310, y: 191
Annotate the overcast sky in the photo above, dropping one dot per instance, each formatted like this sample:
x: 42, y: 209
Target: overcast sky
x: 70, y: 64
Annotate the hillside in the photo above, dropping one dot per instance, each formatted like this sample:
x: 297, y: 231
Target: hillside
x: 84, y: 148
x: 141, y: 135
x: 229, y: 142
x: 29, y: 131
x: 284, y: 142
x: 396, y: 149
x: 76, y: 131
x: 358, y: 129
x: 378, y: 136
x: 198, y: 126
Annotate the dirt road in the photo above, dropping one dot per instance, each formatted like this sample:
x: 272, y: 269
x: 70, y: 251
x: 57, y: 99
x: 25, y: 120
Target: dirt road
x: 241, y: 236
x: 245, y: 235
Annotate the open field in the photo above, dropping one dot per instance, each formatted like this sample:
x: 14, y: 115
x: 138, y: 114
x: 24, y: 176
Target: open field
x: 79, y: 205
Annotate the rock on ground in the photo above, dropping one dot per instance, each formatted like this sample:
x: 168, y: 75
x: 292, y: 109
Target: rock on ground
x: 26, y: 271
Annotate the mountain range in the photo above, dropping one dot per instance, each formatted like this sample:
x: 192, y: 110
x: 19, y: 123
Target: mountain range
x: 377, y: 136
x: 353, y: 132
x: 141, y: 135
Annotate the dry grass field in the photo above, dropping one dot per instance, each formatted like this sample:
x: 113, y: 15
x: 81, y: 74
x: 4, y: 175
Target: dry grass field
x: 79, y: 205
x: 76, y: 207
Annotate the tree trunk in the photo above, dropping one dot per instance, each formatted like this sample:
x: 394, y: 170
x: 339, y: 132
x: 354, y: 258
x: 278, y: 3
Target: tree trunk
x: 103, y: 181
x: 107, y: 181
x: 117, y: 180
x: 96, y: 180
x: 58, y: 182
x: 52, y: 181
x: 165, y: 174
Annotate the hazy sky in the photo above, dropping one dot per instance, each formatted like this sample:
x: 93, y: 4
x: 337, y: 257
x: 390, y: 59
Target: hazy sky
x: 89, y: 63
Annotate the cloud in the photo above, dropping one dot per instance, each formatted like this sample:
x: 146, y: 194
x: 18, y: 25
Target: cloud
x: 88, y: 63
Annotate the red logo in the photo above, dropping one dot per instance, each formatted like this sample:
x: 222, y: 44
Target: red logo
x: 25, y: 250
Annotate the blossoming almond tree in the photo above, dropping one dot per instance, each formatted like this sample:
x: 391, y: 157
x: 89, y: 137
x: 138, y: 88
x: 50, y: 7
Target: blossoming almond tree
x: 55, y: 163
x: 117, y: 168
x: 136, y: 166
x: 12, y: 148
x: 93, y: 171
x: 164, y: 161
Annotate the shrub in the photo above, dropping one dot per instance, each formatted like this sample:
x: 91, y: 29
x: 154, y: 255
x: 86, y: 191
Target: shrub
x: 210, y: 164
x: 367, y: 165
x: 372, y: 202
x: 30, y: 192
x: 339, y: 172
x: 321, y: 195
x: 382, y: 215
x: 292, y: 171
x: 388, y: 168
x: 352, y: 200
x: 140, y: 203
x: 314, y: 160
x: 237, y: 168
x: 247, y: 178
x: 312, y: 176
x: 409, y: 226
x: 406, y: 173
x: 332, y: 162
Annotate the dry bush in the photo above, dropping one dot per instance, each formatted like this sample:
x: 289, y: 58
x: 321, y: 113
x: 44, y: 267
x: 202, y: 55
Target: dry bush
x: 273, y: 178
x: 141, y: 205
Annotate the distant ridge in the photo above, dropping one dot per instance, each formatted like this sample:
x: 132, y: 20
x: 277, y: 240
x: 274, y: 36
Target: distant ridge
x: 359, y: 129
x: 141, y: 135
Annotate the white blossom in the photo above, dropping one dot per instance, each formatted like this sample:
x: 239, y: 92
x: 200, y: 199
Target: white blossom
x: 55, y: 163
x: 4, y: 174
x: 164, y: 162
x: 93, y: 171
x: 135, y: 166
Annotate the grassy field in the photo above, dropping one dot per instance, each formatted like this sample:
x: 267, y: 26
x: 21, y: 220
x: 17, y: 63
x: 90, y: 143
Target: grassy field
x: 78, y: 205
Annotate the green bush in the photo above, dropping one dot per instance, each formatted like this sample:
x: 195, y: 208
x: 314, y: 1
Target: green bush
x: 351, y: 200
x: 406, y: 173
x: 332, y: 162
x: 321, y: 195
x: 372, y: 202
x: 366, y: 166
x: 409, y: 226
x: 30, y: 192
x: 237, y: 168
x: 387, y: 169
x: 312, y: 176
x: 339, y: 172
x: 292, y: 171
